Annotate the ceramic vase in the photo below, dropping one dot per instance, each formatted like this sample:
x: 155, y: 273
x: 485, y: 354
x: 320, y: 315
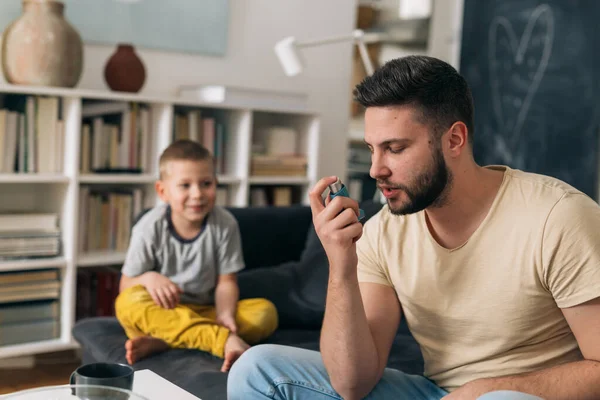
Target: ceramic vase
x: 124, y: 70
x: 41, y: 47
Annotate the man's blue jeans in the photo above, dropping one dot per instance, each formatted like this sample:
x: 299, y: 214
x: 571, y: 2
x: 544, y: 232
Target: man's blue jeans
x: 282, y: 372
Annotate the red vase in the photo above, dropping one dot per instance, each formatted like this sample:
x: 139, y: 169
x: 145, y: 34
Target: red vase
x: 124, y: 70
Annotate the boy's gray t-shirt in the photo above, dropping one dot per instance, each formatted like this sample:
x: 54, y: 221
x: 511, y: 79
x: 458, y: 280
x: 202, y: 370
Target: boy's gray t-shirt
x: 193, y: 264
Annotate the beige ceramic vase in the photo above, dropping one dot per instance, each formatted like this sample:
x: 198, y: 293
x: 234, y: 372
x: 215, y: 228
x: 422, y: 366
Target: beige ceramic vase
x: 41, y: 48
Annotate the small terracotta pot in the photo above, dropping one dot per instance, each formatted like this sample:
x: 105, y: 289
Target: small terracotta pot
x: 124, y: 70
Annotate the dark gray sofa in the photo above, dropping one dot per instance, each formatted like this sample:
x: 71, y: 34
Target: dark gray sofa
x: 285, y: 263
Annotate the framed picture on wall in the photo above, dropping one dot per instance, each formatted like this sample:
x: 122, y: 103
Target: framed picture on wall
x: 186, y: 26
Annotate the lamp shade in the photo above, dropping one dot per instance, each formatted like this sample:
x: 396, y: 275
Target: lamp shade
x: 289, y: 56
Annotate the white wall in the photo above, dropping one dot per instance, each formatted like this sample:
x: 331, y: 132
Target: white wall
x: 254, y: 27
x: 445, y: 31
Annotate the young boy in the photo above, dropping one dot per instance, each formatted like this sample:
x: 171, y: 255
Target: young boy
x: 178, y: 286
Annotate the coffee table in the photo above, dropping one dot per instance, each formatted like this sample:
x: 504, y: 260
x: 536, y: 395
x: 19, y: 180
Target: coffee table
x: 154, y: 387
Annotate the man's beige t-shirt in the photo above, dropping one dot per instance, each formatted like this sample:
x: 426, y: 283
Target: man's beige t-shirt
x: 491, y: 306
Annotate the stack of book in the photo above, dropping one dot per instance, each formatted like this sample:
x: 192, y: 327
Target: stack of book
x: 278, y: 165
x: 28, y: 235
x: 278, y: 196
x: 29, y: 306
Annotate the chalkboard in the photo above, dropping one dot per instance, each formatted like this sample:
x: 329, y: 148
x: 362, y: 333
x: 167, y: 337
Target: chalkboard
x: 534, y: 70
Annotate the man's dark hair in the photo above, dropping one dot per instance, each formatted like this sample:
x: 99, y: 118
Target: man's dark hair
x: 432, y: 86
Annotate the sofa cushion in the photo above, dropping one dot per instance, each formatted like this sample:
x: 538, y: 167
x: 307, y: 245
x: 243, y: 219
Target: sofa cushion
x: 263, y: 244
x: 313, y: 268
x: 298, y: 288
x: 103, y: 340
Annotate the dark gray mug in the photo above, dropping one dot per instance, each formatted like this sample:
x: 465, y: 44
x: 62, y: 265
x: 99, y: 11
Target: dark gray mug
x: 103, y: 375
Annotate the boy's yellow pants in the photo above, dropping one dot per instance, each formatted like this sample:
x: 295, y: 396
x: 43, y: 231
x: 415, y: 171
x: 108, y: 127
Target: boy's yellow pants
x: 192, y: 326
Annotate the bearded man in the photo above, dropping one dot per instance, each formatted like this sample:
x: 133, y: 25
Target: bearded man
x: 496, y: 270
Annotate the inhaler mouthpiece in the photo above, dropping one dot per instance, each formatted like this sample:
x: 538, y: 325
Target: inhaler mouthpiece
x: 336, y: 186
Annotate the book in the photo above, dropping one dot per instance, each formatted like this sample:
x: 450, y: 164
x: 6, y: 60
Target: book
x: 29, y: 331
x: 29, y: 311
x: 12, y: 277
x: 19, y: 222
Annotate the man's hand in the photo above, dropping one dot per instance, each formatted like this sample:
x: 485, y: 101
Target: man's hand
x: 228, y: 321
x: 336, y: 224
x: 163, y: 291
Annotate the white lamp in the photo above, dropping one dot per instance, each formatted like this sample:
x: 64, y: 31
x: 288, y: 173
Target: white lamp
x: 288, y: 51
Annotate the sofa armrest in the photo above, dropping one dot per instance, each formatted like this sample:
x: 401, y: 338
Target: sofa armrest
x: 272, y: 235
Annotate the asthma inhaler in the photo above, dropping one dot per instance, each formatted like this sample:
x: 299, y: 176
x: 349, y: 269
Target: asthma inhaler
x: 337, y: 188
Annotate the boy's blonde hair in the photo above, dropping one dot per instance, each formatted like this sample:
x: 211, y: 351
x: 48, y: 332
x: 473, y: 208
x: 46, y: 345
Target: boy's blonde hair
x: 183, y: 150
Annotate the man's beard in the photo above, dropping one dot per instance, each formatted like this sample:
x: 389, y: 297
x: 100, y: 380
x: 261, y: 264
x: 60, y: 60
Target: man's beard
x: 429, y: 189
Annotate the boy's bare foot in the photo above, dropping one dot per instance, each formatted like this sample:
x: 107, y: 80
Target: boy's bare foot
x: 141, y: 347
x: 234, y: 347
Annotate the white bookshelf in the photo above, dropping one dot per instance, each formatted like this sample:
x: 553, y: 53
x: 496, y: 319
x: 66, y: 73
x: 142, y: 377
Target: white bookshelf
x: 42, y: 263
x: 26, y: 178
x: 100, y: 257
x: 60, y: 192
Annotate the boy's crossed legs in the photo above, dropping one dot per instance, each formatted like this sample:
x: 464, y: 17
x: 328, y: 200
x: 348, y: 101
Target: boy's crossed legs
x: 152, y: 328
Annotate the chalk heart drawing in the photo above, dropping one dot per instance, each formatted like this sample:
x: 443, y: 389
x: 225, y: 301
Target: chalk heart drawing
x: 516, y: 69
